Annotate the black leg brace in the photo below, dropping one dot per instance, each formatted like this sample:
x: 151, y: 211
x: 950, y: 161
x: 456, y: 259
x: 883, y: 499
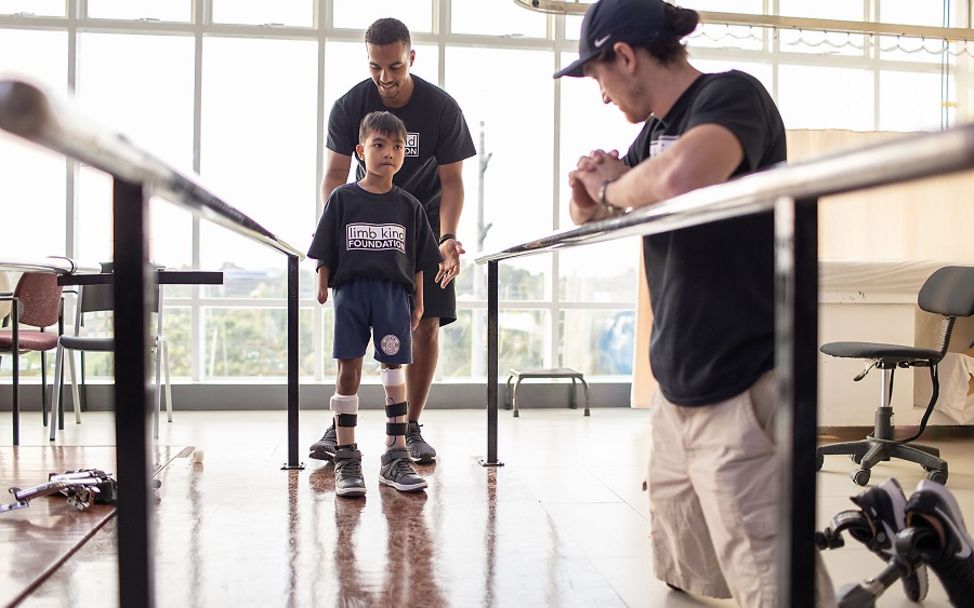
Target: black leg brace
x: 392, y: 411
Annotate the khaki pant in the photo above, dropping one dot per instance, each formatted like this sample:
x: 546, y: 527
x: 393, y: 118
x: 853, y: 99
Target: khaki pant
x: 713, y: 498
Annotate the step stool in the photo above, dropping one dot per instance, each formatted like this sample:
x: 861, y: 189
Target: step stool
x: 556, y: 373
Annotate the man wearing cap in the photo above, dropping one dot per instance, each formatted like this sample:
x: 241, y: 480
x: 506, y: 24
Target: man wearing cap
x: 712, y: 478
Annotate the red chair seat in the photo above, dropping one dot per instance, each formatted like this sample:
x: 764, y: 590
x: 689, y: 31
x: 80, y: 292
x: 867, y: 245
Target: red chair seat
x: 28, y: 340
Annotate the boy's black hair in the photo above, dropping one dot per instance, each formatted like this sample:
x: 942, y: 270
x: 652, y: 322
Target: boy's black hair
x: 383, y: 122
x: 386, y: 31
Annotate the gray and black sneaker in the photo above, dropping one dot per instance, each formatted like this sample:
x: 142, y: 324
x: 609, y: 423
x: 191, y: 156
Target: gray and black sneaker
x: 324, y: 448
x: 884, y: 507
x: 420, y: 451
x: 952, y: 555
x: 398, y: 473
x: 348, y: 471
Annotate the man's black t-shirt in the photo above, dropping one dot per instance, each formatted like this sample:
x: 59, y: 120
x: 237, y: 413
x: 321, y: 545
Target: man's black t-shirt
x: 378, y: 236
x: 712, y: 286
x: 437, y: 134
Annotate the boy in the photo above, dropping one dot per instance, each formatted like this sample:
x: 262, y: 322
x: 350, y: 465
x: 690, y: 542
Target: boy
x: 372, y: 244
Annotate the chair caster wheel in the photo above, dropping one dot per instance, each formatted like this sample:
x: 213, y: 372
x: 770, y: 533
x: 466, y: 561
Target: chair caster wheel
x: 819, y: 461
x: 938, y: 476
x: 861, y: 477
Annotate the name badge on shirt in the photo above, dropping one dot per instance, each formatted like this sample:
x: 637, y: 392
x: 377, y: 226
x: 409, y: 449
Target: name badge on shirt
x: 660, y: 145
x: 412, y: 144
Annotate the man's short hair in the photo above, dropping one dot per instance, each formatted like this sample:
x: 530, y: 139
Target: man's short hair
x: 382, y: 122
x: 386, y: 31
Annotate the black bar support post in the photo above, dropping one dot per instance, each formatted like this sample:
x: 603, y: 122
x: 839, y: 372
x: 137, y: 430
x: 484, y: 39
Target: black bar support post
x: 293, y: 377
x: 132, y: 412
x: 492, y: 354
x: 796, y: 352
x: 15, y: 374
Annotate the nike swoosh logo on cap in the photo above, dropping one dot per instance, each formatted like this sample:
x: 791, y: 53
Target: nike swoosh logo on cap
x: 601, y: 41
x: 965, y: 549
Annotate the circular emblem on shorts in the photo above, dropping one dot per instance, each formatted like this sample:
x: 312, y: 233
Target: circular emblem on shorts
x: 390, y: 345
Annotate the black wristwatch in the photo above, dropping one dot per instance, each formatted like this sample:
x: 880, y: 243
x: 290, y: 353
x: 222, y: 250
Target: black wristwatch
x: 446, y: 237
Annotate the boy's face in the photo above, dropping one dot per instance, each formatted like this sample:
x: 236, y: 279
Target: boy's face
x: 383, y: 153
x: 389, y: 66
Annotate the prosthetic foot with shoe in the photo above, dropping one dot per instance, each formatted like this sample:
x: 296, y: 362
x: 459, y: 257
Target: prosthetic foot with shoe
x: 907, y: 534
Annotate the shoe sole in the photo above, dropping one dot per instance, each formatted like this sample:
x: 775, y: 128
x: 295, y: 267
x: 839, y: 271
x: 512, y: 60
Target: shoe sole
x: 402, y: 487
x: 321, y: 454
x: 350, y: 492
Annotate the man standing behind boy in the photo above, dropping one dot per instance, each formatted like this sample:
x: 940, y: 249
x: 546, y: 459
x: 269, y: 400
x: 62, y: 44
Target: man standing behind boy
x: 437, y: 143
x: 373, y: 244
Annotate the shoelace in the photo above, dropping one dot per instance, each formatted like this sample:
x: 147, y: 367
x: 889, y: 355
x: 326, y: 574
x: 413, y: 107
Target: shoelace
x: 351, y: 467
x: 402, y: 467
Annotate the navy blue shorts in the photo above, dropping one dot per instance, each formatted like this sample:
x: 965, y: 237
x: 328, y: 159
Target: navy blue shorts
x: 385, y: 308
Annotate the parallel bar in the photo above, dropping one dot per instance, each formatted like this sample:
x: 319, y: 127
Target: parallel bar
x: 796, y: 335
x: 293, y: 405
x: 894, y: 161
x: 492, y: 354
x: 53, y: 264
x: 132, y: 413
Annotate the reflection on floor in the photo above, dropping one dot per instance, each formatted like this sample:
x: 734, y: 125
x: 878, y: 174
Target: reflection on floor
x: 564, y: 523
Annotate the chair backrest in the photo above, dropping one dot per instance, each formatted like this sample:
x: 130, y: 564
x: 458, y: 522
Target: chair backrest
x: 96, y: 298
x: 101, y: 298
x: 949, y: 291
x: 4, y: 288
x: 40, y: 299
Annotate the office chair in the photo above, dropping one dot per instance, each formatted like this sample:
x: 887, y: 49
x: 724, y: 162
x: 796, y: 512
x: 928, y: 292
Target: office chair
x: 949, y: 291
x: 36, y: 301
x: 99, y: 298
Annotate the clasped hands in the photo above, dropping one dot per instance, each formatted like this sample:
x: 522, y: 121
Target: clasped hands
x: 590, y: 173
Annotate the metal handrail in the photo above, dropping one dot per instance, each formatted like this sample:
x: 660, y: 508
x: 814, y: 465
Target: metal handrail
x: 51, y: 264
x: 29, y: 112
x: 902, y: 159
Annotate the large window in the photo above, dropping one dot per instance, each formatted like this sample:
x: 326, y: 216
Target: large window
x: 253, y: 122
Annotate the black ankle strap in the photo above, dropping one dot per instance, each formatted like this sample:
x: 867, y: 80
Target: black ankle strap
x: 395, y: 428
x: 346, y: 420
x: 396, y: 409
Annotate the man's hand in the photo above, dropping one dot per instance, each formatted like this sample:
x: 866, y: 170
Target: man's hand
x: 449, y: 269
x: 590, y: 173
x: 594, y: 169
x: 417, y: 316
x: 322, y: 295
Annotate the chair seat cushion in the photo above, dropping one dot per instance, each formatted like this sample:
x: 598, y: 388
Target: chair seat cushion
x: 83, y: 343
x: 891, y: 353
x: 27, y: 340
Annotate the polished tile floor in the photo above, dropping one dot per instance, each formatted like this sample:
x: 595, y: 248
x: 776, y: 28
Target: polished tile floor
x: 564, y: 523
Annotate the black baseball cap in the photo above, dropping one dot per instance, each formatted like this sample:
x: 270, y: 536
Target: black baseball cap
x: 609, y: 21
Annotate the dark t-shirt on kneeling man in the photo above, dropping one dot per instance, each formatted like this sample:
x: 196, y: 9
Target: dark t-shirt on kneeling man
x: 712, y: 286
x: 377, y: 236
x: 437, y: 134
